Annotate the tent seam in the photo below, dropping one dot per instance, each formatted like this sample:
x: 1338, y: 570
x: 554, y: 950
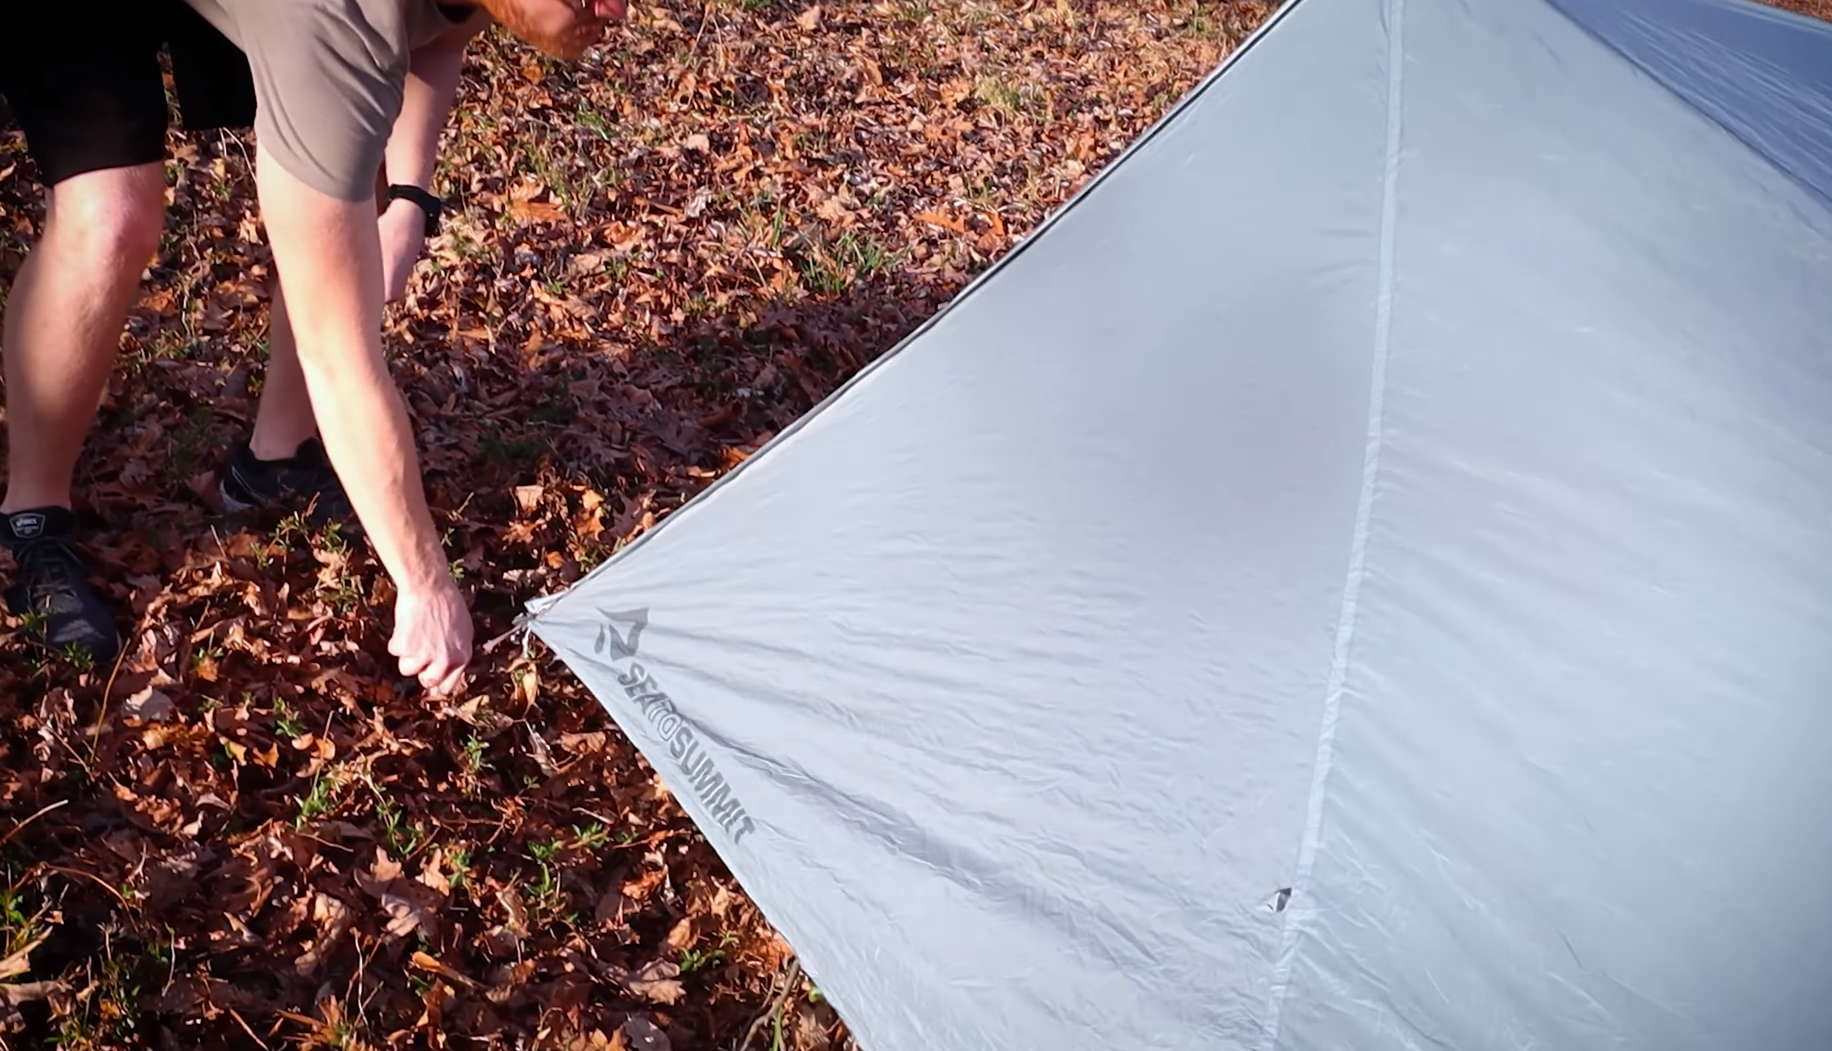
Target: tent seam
x: 1298, y: 903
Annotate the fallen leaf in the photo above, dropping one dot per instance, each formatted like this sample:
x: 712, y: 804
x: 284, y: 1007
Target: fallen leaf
x: 640, y: 1034
x: 937, y: 219
x: 656, y: 982
x: 27, y: 992
x: 537, y: 212
x: 404, y: 916
x: 148, y: 705
x: 20, y: 962
x: 426, y: 962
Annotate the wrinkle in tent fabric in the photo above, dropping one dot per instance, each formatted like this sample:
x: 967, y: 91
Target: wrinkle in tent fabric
x: 1356, y: 578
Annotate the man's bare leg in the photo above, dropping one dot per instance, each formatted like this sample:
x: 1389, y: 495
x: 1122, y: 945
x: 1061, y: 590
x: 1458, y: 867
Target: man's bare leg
x: 283, y: 466
x: 284, y: 418
x: 63, y: 322
x: 62, y: 329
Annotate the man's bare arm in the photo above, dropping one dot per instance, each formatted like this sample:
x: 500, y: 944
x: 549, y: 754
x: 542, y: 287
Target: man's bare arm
x: 328, y: 255
x: 413, y: 144
x: 426, y: 103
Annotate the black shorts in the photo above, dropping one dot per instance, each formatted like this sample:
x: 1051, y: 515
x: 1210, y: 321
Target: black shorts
x: 85, y: 86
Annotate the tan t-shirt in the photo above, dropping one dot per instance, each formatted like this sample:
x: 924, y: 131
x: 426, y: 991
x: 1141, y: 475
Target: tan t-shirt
x: 328, y: 76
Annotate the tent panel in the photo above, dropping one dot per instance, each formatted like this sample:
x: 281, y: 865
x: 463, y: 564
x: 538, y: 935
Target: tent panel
x: 997, y: 683
x: 1578, y: 791
x: 1759, y: 71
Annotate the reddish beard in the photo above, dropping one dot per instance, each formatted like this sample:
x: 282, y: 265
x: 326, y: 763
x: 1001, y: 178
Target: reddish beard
x: 567, y: 44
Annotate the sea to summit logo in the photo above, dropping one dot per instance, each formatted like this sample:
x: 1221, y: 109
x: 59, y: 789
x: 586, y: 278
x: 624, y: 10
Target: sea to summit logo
x: 622, y: 644
x: 619, y: 635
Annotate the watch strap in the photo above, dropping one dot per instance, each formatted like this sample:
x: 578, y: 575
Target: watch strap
x: 431, y: 205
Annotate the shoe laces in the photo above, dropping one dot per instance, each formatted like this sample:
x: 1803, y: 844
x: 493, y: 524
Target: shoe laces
x: 51, y: 567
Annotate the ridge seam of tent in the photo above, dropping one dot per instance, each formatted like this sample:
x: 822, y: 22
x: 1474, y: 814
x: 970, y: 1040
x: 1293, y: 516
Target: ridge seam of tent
x: 1358, y: 546
x: 539, y: 605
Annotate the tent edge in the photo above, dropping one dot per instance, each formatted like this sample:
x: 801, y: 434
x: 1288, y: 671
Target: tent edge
x: 538, y: 606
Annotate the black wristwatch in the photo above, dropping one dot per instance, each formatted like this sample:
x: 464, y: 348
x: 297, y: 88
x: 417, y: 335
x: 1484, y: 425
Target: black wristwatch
x: 429, y: 204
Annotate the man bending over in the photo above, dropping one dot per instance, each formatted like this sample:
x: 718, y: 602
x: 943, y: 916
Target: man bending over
x: 331, y: 83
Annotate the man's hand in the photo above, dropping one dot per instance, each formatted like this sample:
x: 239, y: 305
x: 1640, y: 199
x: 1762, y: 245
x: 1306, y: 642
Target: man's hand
x: 432, y: 637
x: 403, y: 230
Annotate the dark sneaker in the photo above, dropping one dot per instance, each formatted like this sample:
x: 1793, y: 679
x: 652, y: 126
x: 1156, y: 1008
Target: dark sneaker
x: 304, y: 483
x: 52, y: 591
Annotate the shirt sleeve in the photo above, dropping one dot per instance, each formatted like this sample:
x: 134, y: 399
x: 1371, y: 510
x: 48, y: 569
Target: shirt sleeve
x: 328, y: 78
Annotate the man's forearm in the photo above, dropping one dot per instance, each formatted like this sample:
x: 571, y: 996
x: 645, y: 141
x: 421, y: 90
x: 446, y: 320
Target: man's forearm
x: 329, y: 260
x: 426, y: 105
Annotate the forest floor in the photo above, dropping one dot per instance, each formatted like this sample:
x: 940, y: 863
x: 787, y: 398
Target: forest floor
x: 251, y: 834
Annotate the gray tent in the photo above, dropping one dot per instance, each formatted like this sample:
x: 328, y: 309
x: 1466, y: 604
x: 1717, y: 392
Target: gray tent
x: 1359, y: 577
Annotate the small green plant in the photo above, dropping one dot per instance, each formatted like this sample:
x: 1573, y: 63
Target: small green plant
x: 107, y: 1015
x: 345, y: 596
x: 546, y: 900
x: 404, y: 838
x: 592, y: 836
x: 34, y: 621
x: 593, y: 121
x: 852, y: 257
x: 284, y: 725
x: 332, y: 538
x: 205, y: 656
x: 460, y: 861
x: 322, y: 798
x: 699, y: 959
x: 421, y: 984
x: 20, y: 927
x: 474, y: 747
x: 78, y: 658
x: 159, y: 950
x: 290, y: 529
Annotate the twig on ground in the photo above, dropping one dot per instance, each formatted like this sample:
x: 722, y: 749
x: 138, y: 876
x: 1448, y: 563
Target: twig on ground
x: 777, y: 1001
x: 42, y: 811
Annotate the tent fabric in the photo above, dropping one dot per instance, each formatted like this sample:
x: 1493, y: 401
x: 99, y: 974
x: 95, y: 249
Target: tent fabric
x: 1357, y: 577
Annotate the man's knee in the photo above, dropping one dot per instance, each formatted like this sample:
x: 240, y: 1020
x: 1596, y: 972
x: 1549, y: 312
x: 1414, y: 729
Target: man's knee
x: 112, y: 217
